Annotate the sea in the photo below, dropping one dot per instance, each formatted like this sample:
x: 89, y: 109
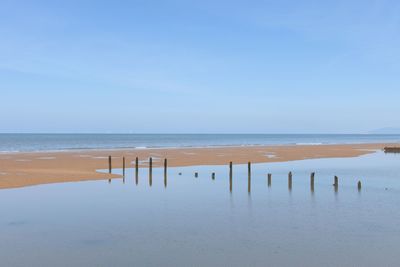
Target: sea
x: 184, y: 219
x: 59, y: 142
x: 203, y: 216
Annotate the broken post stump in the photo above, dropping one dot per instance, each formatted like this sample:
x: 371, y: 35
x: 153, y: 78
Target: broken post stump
x: 312, y: 181
x: 269, y: 179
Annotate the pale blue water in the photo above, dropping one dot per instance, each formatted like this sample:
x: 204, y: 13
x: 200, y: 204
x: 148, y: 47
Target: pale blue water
x: 199, y: 222
x: 40, y: 142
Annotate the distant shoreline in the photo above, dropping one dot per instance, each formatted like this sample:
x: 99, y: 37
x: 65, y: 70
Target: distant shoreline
x: 33, y: 168
x: 49, y: 143
x: 76, y: 150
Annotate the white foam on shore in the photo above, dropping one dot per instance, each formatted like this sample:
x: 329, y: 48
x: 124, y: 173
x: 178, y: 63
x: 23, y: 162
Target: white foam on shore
x: 309, y: 144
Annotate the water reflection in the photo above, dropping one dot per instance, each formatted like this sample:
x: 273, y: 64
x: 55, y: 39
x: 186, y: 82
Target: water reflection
x: 205, y: 223
x: 230, y: 183
x: 249, y: 179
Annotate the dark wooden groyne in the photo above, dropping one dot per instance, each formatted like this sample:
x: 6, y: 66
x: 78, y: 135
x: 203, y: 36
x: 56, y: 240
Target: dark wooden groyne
x: 392, y: 149
x: 196, y: 174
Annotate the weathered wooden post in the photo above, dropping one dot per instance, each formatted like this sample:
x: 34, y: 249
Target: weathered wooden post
x: 312, y: 181
x: 123, y: 166
x: 269, y: 179
x: 249, y: 177
x: 336, y: 183
x: 290, y: 180
x: 213, y: 176
x: 230, y: 176
x: 165, y: 172
x: 359, y: 185
x: 109, y: 164
x: 150, y: 171
x: 137, y: 170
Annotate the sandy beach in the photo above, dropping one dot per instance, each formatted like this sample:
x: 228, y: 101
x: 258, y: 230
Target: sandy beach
x: 26, y: 169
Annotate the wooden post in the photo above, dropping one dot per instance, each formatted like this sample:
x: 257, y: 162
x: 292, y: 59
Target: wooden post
x: 359, y: 185
x: 213, y: 176
x: 165, y: 172
x: 249, y: 177
x: 290, y: 180
x: 312, y: 181
x: 336, y: 183
x: 109, y: 164
x: 230, y: 176
x: 123, y: 166
x: 137, y: 170
x: 150, y: 171
x: 269, y: 179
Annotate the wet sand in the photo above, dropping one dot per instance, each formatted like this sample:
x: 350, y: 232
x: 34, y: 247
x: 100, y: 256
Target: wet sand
x: 26, y: 169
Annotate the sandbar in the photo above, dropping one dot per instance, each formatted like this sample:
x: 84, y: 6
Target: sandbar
x: 27, y: 169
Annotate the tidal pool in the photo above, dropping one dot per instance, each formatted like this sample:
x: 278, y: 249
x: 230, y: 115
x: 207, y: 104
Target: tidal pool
x: 199, y: 222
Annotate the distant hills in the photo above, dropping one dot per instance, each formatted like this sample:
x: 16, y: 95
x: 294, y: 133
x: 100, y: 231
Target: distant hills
x: 386, y: 130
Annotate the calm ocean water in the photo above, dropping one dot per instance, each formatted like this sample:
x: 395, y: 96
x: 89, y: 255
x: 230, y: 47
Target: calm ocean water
x: 198, y: 222
x: 45, y: 142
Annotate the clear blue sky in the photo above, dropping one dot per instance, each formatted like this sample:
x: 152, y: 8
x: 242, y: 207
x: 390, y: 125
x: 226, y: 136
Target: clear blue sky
x: 199, y: 66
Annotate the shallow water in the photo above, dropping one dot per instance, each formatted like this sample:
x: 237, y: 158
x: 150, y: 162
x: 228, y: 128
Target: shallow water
x: 198, y: 221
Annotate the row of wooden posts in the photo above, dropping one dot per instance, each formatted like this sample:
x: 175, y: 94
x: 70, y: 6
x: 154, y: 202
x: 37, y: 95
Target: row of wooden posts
x: 290, y: 175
